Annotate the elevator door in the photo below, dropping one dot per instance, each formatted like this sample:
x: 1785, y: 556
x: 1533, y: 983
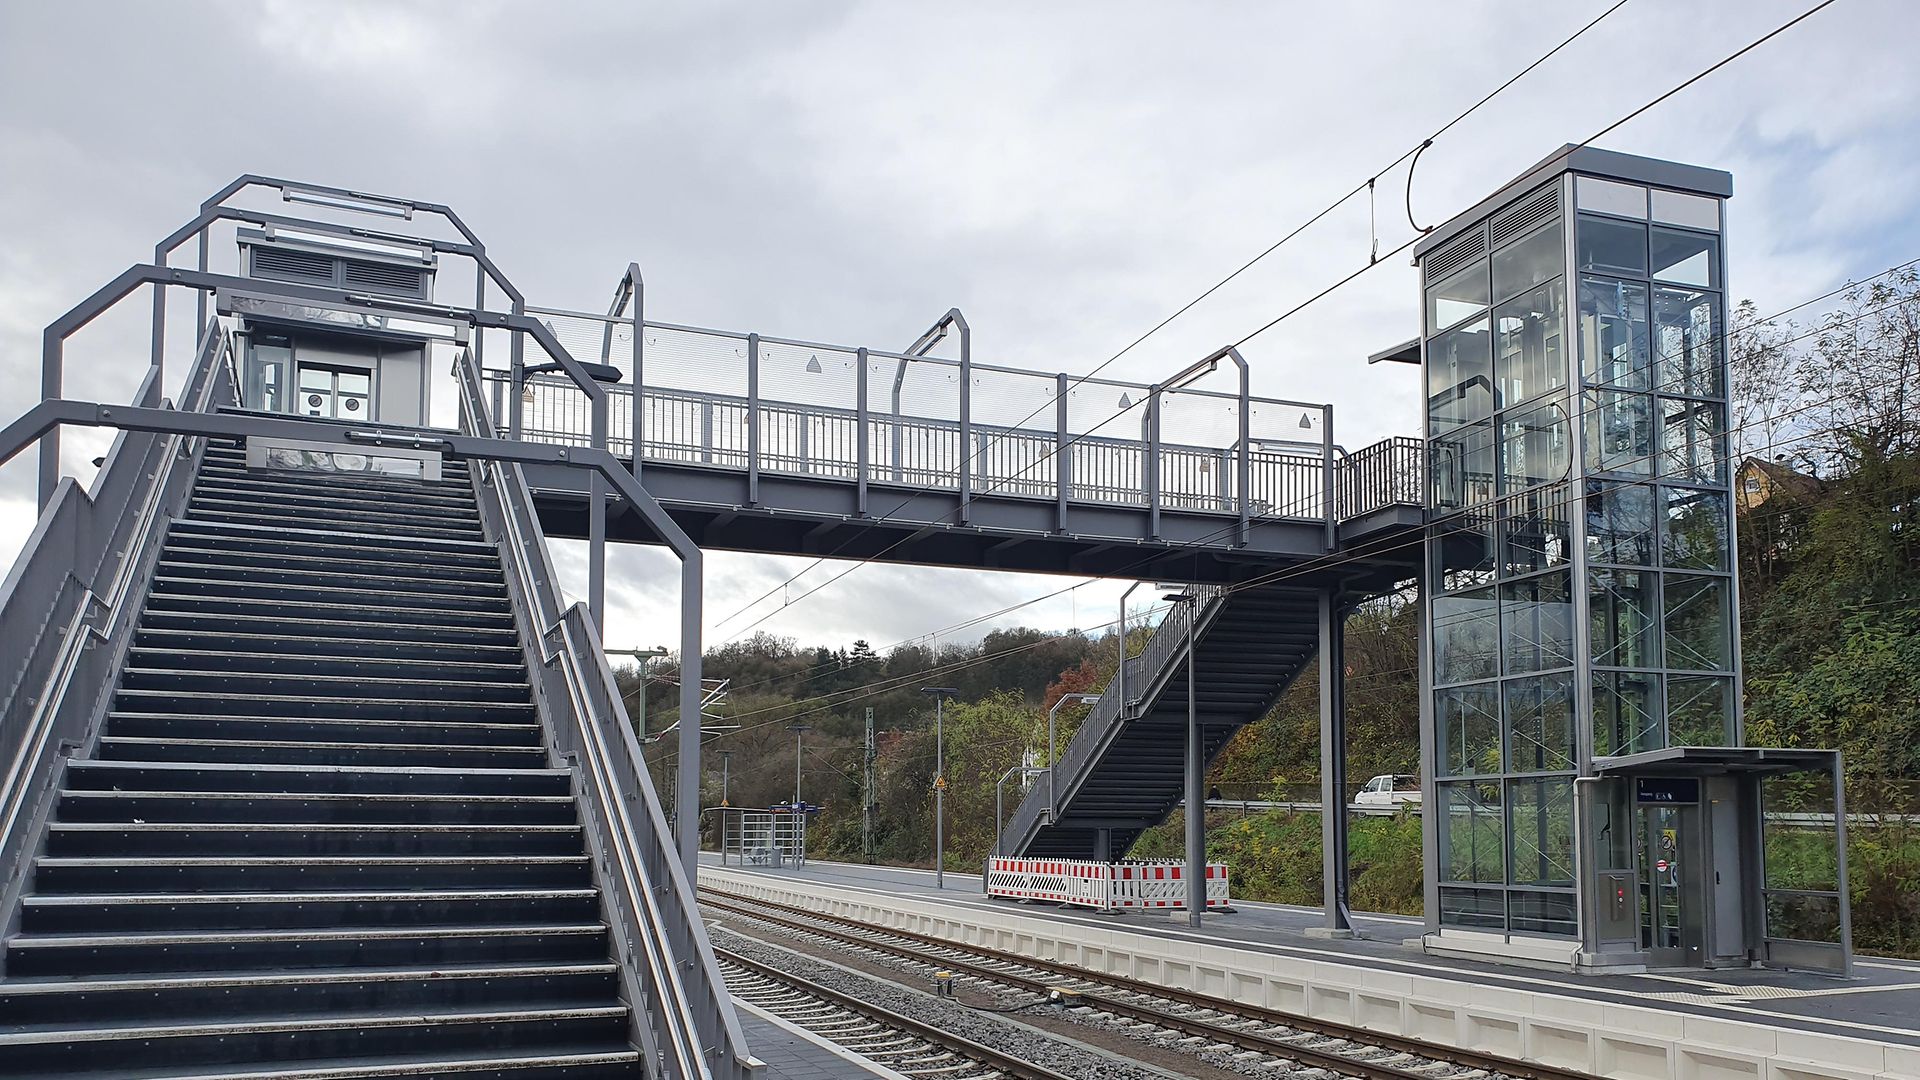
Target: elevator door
x: 1673, y: 900
x: 334, y: 392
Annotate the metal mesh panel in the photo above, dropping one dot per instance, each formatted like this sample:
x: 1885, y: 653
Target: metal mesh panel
x: 808, y: 410
x: 1197, y: 459
x: 1285, y: 462
x: 1108, y: 456
x: 914, y: 412
x: 1015, y: 415
x: 695, y: 410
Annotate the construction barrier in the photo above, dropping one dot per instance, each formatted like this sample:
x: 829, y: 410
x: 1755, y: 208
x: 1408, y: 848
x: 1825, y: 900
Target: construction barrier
x: 1103, y: 885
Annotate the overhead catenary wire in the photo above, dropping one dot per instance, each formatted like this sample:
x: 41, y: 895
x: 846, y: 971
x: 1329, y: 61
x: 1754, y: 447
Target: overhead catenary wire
x: 1718, y: 341
x: 1331, y: 561
x: 1289, y: 313
x: 1374, y: 257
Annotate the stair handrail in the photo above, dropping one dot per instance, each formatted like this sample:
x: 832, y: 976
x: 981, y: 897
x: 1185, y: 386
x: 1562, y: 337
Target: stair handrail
x: 66, y: 538
x: 570, y: 641
x: 1166, y: 644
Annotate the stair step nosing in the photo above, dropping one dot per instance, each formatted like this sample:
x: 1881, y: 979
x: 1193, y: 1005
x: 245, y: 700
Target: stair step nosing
x: 154, y: 650
x: 171, y: 565
x: 440, y: 1066
x: 116, y: 984
x: 186, y: 695
x: 388, y: 896
x: 118, y: 765
x: 506, y: 632
x: 461, y: 725
x: 326, y: 537
x: 242, y: 636
x: 332, y: 590
x: 327, y: 796
x: 308, y: 828
x: 83, y: 861
x: 349, y: 934
x: 314, y: 744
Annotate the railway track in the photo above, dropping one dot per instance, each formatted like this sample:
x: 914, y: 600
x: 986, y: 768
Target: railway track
x: 1344, y: 1049
x: 901, y: 1043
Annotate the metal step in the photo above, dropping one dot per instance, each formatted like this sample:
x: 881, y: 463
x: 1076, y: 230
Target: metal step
x: 357, y: 524
x: 342, y: 593
x: 315, y: 752
x: 394, y: 577
x: 241, y: 704
x: 133, y: 913
x: 238, y: 536
x: 340, y: 645
x: 33, y: 956
x: 318, y: 808
x: 257, y: 619
x: 331, y: 502
x: 305, y: 873
x: 96, y: 774
x: 290, y: 665
x: 152, y: 839
x: 452, y: 734
x: 315, y: 557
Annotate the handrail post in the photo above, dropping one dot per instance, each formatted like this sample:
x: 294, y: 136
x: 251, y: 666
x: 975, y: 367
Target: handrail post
x: 158, y: 357
x: 966, y: 417
x: 638, y: 425
x: 686, y: 797
x: 1062, y: 459
x: 1243, y: 478
x: 860, y: 434
x: 516, y: 378
x: 1150, y: 464
x: 753, y: 419
x: 1326, y: 478
x: 597, y: 521
x: 52, y: 360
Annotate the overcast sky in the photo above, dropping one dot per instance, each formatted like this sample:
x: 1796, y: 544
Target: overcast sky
x: 1066, y: 173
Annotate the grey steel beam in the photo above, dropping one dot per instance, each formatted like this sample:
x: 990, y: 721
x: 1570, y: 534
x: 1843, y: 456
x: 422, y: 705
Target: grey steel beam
x: 1333, y: 764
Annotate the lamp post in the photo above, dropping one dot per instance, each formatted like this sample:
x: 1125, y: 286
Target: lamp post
x: 940, y: 696
x: 640, y: 658
x: 1053, y: 756
x: 1196, y: 816
x: 726, y: 773
x: 798, y: 730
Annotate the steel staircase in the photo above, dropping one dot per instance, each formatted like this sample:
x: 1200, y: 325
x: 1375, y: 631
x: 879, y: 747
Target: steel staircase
x: 1122, y: 772
x: 322, y: 834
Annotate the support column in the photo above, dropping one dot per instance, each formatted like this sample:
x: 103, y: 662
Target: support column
x: 1103, y: 845
x: 686, y: 799
x: 1196, y: 776
x: 1333, y: 765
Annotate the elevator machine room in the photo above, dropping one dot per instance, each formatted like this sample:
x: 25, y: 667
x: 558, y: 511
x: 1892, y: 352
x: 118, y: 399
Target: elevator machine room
x: 332, y: 363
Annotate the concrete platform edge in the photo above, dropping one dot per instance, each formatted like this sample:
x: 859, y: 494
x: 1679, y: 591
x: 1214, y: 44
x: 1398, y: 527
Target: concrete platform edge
x: 1603, y: 1039
x: 868, y: 1067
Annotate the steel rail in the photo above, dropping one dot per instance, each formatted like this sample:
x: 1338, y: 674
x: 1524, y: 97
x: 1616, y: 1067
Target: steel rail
x: 1005, y: 1063
x: 1187, y: 1025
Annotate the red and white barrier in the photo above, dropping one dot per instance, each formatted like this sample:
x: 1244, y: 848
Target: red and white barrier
x: 1107, y: 886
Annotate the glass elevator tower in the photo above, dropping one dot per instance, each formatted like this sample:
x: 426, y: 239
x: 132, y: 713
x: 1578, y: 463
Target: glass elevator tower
x: 1588, y: 796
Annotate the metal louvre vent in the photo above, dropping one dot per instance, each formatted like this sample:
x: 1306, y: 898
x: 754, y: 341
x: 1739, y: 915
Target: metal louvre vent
x: 291, y: 265
x: 381, y: 277
x: 1455, y: 254
x: 1541, y: 206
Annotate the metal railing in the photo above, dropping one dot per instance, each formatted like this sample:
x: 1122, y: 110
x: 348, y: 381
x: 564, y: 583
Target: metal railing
x: 68, y: 608
x: 682, y: 1015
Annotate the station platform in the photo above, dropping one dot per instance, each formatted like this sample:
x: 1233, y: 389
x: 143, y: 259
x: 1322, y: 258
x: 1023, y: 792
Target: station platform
x: 1680, y: 1025
x: 789, y: 1053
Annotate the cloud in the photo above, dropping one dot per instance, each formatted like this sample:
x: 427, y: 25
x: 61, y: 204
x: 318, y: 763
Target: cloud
x: 1068, y: 174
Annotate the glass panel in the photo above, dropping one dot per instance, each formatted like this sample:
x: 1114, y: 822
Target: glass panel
x: 267, y: 374
x: 1626, y: 716
x: 1804, y: 917
x: 1460, y: 376
x: 1619, y: 432
x: 1539, y: 712
x: 1603, y: 246
x: 1610, y: 197
x: 1688, y: 258
x: 1798, y: 838
x: 1462, y: 550
x: 1527, y: 337
x: 1473, y: 909
x: 1528, y: 262
x: 1613, y: 333
x: 1696, y: 529
x: 1612, y: 826
x: 1466, y: 637
x: 1698, y: 635
x: 1686, y: 343
x: 1537, y: 532
x: 1469, y: 731
x: 1541, y: 830
x: 1699, y: 710
x: 1693, y: 211
x: 1535, y: 447
x: 1472, y: 831
x: 1458, y: 297
x: 1463, y: 468
x: 1693, y: 440
x: 1624, y: 628
x: 1543, y: 913
x: 1536, y: 623
x: 1619, y: 523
